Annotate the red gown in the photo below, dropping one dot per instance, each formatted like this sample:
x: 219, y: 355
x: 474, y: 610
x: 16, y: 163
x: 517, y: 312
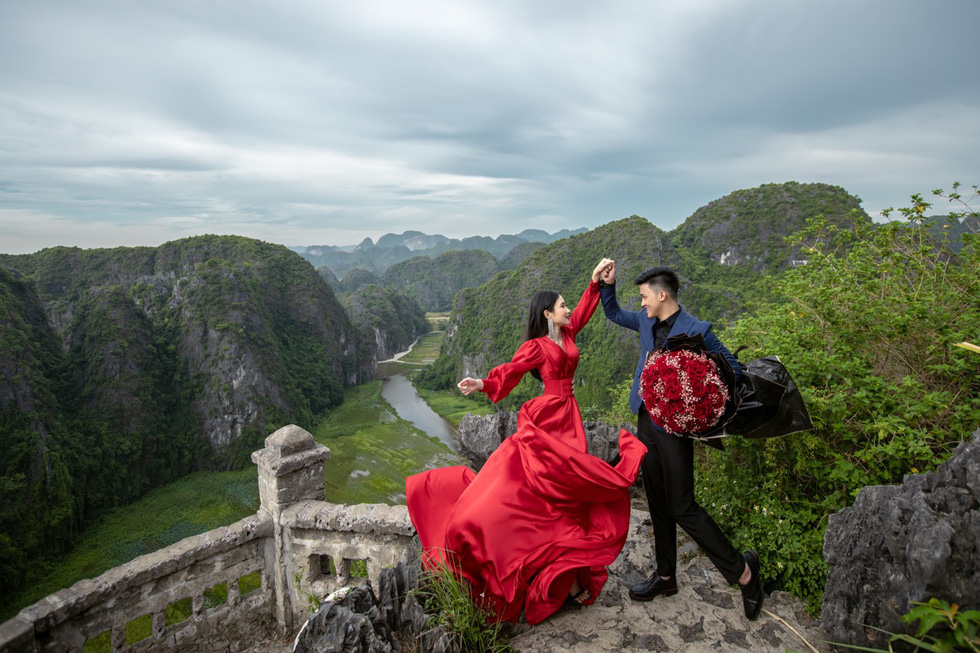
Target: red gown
x: 542, y: 511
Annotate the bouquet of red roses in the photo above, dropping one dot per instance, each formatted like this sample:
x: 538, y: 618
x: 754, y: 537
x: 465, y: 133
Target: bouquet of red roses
x: 683, y: 391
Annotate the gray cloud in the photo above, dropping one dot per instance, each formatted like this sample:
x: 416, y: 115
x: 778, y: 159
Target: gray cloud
x: 310, y: 122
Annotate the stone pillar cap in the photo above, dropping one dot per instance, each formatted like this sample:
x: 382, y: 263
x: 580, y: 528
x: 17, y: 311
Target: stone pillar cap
x: 288, y: 449
x: 290, y: 439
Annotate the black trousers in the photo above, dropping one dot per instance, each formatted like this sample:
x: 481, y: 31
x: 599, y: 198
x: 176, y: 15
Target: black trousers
x: 668, y: 478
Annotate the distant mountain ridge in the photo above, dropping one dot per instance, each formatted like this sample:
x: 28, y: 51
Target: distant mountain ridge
x: 395, y: 248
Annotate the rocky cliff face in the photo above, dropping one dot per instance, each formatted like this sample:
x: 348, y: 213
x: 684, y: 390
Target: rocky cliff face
x: 386, y: 318
x: 256, y: 335
x: 900, y: 544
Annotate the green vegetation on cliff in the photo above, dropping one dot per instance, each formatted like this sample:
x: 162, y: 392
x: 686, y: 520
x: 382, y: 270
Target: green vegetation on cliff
x: 750, y: 226
x: 721, y: 253
x: 127, y: 368
x: 37, y: 508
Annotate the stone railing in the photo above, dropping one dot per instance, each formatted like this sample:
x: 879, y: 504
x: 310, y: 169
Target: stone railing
x: 233, y: 587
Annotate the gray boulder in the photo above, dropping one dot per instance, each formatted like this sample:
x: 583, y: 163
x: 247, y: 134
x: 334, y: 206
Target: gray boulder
x: 480, y: 435
x: 903, y: 543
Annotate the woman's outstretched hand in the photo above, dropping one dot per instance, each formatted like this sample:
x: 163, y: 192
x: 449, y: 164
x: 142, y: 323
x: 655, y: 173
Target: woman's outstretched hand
x: 603, y: 269
x: 468, y: 385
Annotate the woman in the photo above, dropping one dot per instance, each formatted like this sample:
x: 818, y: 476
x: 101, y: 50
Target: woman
x: 538, y: 525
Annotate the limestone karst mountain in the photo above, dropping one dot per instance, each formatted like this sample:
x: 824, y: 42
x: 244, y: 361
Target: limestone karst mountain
x: 127, y: 368
x: 388, y: 318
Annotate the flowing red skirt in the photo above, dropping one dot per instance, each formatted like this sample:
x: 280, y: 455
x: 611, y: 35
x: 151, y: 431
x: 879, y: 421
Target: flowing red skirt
x: 540, y: 514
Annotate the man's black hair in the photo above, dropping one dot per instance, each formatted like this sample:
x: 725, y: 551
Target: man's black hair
x: 661, y: 277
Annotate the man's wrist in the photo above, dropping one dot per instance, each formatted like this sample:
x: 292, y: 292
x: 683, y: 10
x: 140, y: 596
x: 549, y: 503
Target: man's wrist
x: 603, y: 284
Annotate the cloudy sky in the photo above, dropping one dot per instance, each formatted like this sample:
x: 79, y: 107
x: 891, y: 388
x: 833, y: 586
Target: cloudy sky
x: 322, y: 122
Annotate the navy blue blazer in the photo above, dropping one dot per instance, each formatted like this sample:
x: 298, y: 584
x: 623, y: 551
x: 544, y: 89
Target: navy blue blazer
x: 638, y: 321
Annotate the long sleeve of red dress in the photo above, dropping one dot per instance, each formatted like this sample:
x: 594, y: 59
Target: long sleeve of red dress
x: 504, y: 378
x: 585, y: 309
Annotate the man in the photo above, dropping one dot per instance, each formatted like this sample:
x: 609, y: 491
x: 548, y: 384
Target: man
x: 668, y: 468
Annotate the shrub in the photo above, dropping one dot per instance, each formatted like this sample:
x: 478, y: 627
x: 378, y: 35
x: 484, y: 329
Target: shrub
x: 448, y: 602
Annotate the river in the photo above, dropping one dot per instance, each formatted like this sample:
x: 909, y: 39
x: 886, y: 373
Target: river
x: 398, y: 391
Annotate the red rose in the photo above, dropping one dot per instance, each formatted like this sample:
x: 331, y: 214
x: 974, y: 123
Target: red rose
x: 672, y: 388
x: 698, y: 368
x: 698, y: 389
x: 703, y: 410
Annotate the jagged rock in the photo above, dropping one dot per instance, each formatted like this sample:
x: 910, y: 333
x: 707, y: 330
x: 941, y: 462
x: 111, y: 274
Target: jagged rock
x: 353, y: 623
x: 603, y: 440
x: 903, y: 543
x: 480, y: 435
x: 359, y: 621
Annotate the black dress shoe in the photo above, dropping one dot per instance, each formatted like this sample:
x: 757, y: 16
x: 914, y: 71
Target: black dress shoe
x: 653, y: 586
x: 752, y: 594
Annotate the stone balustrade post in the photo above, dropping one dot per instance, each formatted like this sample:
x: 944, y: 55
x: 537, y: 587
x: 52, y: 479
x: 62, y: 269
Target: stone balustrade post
x: 290, y: 470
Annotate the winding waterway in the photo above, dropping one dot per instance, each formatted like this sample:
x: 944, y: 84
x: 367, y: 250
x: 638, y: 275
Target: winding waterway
x: 398, y: 391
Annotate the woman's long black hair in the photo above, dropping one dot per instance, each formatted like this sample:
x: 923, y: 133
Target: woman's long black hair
x: 537, y: 323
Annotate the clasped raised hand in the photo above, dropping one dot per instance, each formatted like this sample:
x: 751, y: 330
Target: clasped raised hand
x: 606, y: 270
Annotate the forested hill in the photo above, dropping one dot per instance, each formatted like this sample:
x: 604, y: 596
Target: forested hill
x: 433, y: 282
x: 749, y: 226
x: 719, y: 252
x: 126, y: 368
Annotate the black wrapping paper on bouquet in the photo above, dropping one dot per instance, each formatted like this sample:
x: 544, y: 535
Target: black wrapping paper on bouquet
x: 770, y: 403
